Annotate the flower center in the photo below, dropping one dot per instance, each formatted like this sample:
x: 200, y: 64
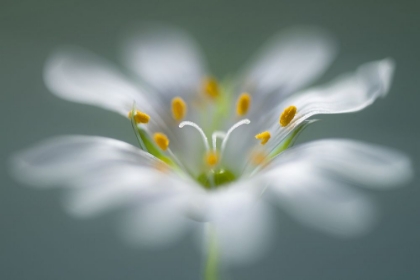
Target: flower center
x: 219, y: 177
x: 214, y: 172
x: 214, y: 176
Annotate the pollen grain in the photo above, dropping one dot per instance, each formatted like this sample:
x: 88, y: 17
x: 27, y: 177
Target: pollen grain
x: 287, y: 116
x: 179, y: 108
x: 243, y: 104
x: 140, y: 117
x: 258, y: 158
x: 212, y: 158
x: 211, y: 88
x: 162, y: 167
x: 161, y: 140
x: 264, y: 137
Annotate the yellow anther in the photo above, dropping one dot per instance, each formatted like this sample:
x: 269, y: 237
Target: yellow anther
x: 287, y: 116
x: 264, y: 137
x: 243, y: 104
x: 140, y: 117
x: 258, y: 158
x: 211, y: 87
x: 212, y: 158
x: 179, y: 108
x: 161, y: 166
x: 161, y: 140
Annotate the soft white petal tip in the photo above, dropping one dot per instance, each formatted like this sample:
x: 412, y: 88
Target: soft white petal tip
x: 378, y: 74
x: 386, y: 72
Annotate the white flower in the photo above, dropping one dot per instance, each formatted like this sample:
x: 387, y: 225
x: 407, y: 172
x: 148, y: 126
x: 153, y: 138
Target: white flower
x: 199, y: 161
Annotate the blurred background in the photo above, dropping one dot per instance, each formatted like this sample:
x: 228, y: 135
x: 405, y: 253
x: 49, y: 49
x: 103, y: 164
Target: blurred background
x: 38, y: 240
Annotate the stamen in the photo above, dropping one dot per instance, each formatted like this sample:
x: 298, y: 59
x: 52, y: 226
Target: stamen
x: 215, y: 135
x: 235, y: 126
x: 211, y: 88
x: 212, y: 158
x: 264, y: 137
x: 243, y: 104
x: 179, y: 108
x: 161, y: 166
x: 161, y: 140
x: 140, y: 117
x: 203, y: 135
x: 287, y: 116
x: 258, y: 158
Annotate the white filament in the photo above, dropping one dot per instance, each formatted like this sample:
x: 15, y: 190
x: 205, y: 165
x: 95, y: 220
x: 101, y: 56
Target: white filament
x: 203, y: 135
x: 215, y: 135
x: 235, y: 126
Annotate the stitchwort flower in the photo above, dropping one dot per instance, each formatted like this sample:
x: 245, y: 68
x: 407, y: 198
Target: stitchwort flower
x: 211, y: 153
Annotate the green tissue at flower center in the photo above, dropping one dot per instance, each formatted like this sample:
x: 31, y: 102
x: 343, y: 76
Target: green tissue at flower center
x: 220, y: 177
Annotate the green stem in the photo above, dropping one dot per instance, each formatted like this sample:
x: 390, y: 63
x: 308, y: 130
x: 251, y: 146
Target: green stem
x: 211, y: 270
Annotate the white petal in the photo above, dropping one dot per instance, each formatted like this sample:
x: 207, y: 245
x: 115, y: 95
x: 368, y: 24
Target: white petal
x: 114, y: 187
x: 102, y: 173
x: 290, y: 61
x: 321, y: 202
x: 156, y: 224
x: 80, y: 76
x: 62, y: 159
x: 349, y: 93
x: 241, y: 224
x: 167, y: 59
x: 360, y: 163
x: 351, y: 161
x: 312, y: 181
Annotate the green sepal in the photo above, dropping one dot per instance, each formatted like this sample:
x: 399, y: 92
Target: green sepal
x: 291, y: 139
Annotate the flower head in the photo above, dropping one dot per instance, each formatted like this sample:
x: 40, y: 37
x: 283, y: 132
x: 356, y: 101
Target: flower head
x: 210, y: 151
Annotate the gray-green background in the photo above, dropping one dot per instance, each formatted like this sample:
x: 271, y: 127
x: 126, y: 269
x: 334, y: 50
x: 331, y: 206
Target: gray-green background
x: 39, y: 241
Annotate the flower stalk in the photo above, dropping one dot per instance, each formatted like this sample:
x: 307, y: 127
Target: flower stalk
x: 212, y: 270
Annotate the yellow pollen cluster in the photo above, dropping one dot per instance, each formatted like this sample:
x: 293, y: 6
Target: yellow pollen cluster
x: 140, y: 117
x: 287, y: 116
x: 211, y: 88
x: 162, y: 167
x: 243, y: 104
x: 179, y: 108
x: 212, y: 158
x: 258, y: 158
x: 264, y: 137
x: 161, y: 140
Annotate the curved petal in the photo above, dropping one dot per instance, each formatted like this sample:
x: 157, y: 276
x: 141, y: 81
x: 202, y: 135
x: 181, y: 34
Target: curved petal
x: 114, y: 187
x: 289, y: 61
x: 156, y: 224
x: 360, y: 163
x: 323, y: 203
x: 311, y: 181
x: 102, y: 173
x: 80, y: 76
x: 239, y: 223
x: 61, y: 159
x: 167, y: 59
x: 349, y: 93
